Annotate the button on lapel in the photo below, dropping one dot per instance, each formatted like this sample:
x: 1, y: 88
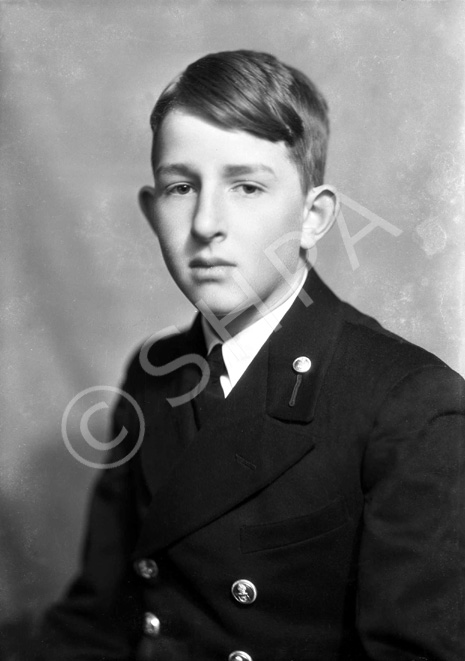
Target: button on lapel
x: 302, y: 364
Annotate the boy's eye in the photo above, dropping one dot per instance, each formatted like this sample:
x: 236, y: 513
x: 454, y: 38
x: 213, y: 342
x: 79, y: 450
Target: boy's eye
x: 180, y: 189
x: 249, y: 189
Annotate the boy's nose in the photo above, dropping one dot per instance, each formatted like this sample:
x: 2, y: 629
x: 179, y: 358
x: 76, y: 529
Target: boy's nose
x: 208, y: 221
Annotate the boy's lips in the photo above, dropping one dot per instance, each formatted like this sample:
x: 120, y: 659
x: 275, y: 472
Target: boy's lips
x: 207, y: 262
x: 210, y: 268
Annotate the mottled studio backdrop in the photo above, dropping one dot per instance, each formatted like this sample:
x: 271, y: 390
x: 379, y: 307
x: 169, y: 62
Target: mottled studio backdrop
x: 83, y: 280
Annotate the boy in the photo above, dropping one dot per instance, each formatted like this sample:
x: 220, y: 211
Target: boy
x: 297, y: 496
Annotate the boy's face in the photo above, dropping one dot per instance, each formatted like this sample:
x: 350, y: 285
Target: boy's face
x: 222, y: 199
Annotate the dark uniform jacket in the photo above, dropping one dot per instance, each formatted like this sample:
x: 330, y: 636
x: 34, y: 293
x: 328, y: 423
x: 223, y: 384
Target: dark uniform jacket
x: 330, y: 530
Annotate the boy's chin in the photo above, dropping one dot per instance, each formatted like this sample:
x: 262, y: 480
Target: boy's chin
x: 220, y: 304
x: 219, y: 312
x: 233, y: 320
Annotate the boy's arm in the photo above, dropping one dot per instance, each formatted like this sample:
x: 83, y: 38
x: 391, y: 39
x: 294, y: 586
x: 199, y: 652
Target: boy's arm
x: 98, y: 619
x: 411, y: 570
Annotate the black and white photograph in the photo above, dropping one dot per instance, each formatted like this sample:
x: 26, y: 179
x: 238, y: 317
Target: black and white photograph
x: 233, y: 357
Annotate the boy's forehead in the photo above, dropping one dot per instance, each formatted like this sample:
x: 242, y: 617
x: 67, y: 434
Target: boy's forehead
x: 183, y: 135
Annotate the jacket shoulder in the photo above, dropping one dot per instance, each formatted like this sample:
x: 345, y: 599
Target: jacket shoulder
x: 373, y: 350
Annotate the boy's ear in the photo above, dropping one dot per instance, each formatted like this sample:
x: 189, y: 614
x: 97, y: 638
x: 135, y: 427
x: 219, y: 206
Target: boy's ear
x: 146, y: 203
x: 321, y: 209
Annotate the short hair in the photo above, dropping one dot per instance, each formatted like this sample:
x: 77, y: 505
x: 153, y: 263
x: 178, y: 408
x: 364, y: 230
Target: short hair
x: 254, y: 92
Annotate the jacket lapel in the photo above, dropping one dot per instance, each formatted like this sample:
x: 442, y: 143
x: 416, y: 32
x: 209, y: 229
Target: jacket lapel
x: 170, y: 428
x: 251, y: 440
x: 310, y: 329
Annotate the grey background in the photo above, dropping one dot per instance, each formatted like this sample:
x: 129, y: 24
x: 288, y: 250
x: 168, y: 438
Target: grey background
x: 83, y: 278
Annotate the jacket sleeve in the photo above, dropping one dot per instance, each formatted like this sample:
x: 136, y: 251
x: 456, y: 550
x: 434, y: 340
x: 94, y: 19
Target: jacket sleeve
x: 411, y: 563
x: 98, y: 619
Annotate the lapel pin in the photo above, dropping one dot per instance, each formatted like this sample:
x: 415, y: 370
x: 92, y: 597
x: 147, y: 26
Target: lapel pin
x: 301, y: 365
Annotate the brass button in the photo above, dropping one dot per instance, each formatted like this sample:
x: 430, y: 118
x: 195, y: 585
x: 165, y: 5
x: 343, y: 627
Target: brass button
x: 151, y: 625
x: 244, y: 591
x: 239, y: 656
x: 301, y: 364
x: 146, y: 568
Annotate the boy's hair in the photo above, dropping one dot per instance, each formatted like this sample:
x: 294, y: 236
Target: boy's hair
x: 254, y: 92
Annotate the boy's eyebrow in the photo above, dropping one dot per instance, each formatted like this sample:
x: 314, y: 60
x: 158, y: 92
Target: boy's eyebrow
x: 228, y: 170
x: 173, y: 168
x: 237, y: 170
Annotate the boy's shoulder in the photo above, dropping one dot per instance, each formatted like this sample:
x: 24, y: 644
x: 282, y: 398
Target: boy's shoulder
x: 375, y: 342
x: 373, y: 354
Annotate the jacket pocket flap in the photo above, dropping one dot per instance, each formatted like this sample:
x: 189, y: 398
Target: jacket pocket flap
x: 298, y: 529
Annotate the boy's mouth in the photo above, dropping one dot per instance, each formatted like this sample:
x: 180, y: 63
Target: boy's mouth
x: 206, y: 263
x: 210, y: 268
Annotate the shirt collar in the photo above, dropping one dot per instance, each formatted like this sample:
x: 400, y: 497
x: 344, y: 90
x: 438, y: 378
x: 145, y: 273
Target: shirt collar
x: 241, y: 349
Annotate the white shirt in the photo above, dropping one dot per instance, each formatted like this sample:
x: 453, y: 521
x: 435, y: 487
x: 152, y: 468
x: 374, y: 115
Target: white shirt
x: 240, y: 349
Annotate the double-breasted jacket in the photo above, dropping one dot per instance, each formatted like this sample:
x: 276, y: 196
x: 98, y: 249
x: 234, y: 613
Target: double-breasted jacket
x: 330, y: 528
